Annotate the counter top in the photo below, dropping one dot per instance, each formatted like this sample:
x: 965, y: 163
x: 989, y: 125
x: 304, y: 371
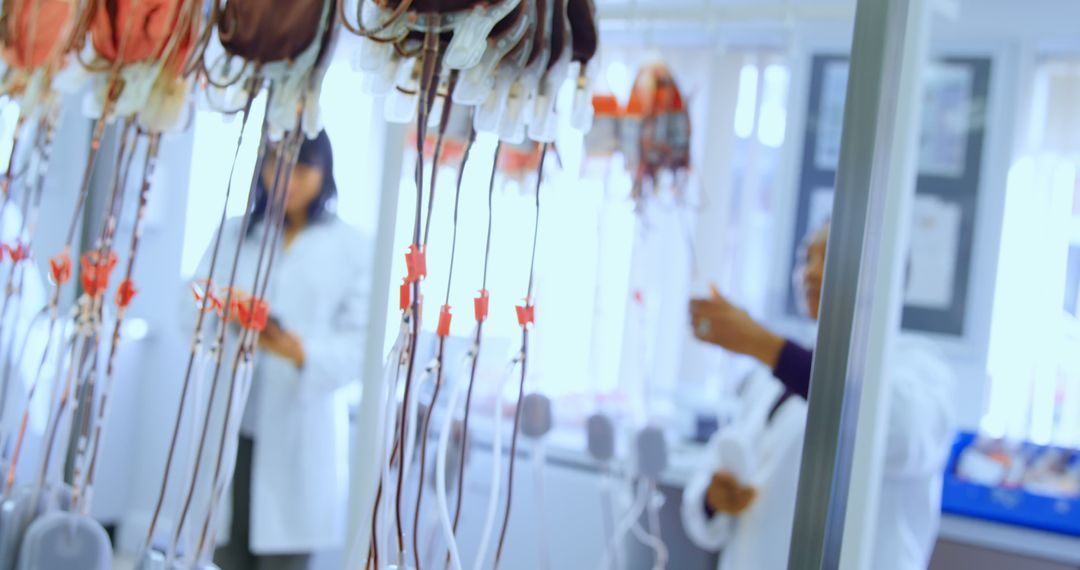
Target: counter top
x: 1002, y: 537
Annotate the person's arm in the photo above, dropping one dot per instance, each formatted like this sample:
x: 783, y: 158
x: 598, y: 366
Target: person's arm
x: 715, y: 496
x: 717, y: 321
x: 705, y: 528
x: 792, y: 368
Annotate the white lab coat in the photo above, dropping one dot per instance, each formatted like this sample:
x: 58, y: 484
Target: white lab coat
x: 767, y: 454
x: 319, y: 291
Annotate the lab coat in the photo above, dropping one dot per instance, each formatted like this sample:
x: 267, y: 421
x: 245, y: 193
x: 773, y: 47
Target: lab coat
x: 299, y: 418
x: 767, y: 453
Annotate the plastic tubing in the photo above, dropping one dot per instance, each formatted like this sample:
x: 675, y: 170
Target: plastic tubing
x: 625, y: 524
x: 496, y: 470
x: 390, y: 366
x: 608, y: 505
x: 539, y: 458
x: 440, y: 477
x: 389, y: 434
x: 652, y: 538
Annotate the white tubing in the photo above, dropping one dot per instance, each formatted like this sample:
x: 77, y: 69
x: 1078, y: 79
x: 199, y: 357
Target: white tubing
x: 653, y: 542
x: 386, y: 504
x: 381, y: 456
x: 539, y: 458
x: 414, y: 420
x: 625, y: 524
x: 496, y: 473
x: 656, y: 500
x: 245, y: 373
x: 608, y: 506
x: 440, y: 477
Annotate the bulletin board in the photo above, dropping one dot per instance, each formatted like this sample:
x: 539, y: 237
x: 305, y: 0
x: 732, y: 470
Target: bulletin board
x: 950, y: 154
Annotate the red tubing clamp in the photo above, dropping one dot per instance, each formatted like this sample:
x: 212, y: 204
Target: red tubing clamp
x: 416, y: 262
x: 526, y: 314
x: 60, y: 267
x: 18, y: 253
x: 480, y: 306
x: 125, y: 293
x: 444, y: 322
x: 405, y: 295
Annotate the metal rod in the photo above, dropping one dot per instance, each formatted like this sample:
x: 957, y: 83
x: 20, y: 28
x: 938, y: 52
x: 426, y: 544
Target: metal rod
x: 884, y: 31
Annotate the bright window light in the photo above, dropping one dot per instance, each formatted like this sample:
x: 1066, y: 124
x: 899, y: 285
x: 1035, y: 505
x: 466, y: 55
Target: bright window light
x: 746, y: 106
x: 773, y: 120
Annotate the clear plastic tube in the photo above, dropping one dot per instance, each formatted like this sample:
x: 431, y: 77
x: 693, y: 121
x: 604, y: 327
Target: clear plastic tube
x: 626, y: 523
x: 496, y: 469
x: 653, y: 539
x: 440, y: 477
x: 382, y: 435
x: 539, y: 458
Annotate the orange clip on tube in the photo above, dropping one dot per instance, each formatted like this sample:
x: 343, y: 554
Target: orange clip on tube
x: 444, y: 322
x: 125, y: 293
x: 526, y: 314
x: 416, y: 262
x: 60, y: 267
x: 18, y: 253
x: 405, y: 295
x: 480, y: 306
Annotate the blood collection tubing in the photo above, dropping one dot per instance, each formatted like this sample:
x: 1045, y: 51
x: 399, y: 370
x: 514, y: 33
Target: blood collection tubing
x: 525, y: 320
x: 480, y: 305
x: 390, y: 366
x: 444, y: 317
x: 196, y: 340
x: 245, y: 345
x: 13, y: 289
x: 222, y: 330
x: 496, y: 468
x: 440, y: 479
x: 103, y: 409
x: 428, y: 86
x: 88, y: 319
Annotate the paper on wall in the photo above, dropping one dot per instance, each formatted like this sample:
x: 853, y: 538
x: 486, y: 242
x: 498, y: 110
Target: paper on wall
x: 932, y: 260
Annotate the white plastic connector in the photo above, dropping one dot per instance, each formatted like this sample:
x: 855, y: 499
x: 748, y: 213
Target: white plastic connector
x: 489, y: 113
x: 401, y: 103
x: 371, y: 56
x: 512, y: 121
x: 581, y: 115
x: 470, y: 40
x: 380, y: 82
x: 400, y: 107
x: 476, y: 82
x: 544, y: 123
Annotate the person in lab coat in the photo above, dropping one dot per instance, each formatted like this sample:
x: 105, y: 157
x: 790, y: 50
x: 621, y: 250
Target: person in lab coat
x: 290, y: 484
x: 743, y: 499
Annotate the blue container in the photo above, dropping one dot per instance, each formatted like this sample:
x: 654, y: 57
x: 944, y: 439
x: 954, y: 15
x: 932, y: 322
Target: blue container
x: 1010, y: 506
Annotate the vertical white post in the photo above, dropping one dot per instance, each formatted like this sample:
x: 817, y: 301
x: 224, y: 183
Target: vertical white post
x: 364, y: 472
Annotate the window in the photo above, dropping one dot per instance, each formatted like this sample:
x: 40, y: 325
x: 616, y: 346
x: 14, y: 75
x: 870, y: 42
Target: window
x: 347, y: 118
x: 1034, y: 367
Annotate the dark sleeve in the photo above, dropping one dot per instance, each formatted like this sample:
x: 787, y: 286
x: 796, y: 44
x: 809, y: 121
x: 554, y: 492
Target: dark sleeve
x: 793, y: 368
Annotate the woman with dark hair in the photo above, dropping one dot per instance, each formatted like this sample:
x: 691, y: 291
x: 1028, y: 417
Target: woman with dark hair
x: 289, y: 488
x: 742, y: 499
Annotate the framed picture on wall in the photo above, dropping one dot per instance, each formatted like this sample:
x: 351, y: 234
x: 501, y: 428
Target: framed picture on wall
x: 950, y: 155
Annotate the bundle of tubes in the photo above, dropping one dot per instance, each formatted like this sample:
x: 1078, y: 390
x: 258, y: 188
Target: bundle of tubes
x: 503, y: 62
x: 143, y: 63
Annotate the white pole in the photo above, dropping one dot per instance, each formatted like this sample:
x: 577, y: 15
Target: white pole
x: 364, y: 474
